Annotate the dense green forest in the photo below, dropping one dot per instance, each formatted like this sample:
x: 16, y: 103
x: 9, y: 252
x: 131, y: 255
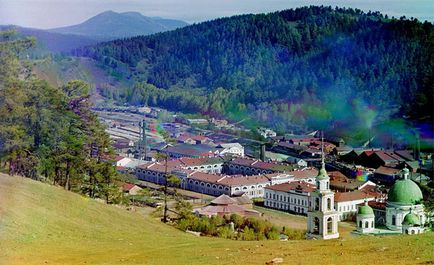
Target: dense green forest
x: 298, y: 68
x: 49, y: 133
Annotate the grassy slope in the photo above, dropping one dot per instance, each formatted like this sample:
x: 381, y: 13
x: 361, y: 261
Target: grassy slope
x: 42, y: 224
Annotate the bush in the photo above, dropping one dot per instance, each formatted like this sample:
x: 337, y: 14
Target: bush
x: 184, y: 224
x: 273, y: 235
x: 247, y: 234
x: 294, y: 234
x: 245, y: 228
x: 237, y: 220
x: 217, y: 221
x: 225, y: 232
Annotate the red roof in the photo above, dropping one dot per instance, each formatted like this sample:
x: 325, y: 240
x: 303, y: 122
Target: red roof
x: 223, y: 210
x: 118, y: 158
x: 386, y: 170
x: 206, y: 177
x: 303, y: 174
x: 189, y: 161
x: 199, y: 138
x: 223, y: 200
x: 294, y: 185
x: 377, y: 205
x: 184, y: 137
x: 127, y: 186
x: 368, y: 153
x: 351, y: 196
x: 243, y: 180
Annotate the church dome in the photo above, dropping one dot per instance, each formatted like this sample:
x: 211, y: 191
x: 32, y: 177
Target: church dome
x: 405, y: 191
x: 365, y: 210
x: 322, y: 174
x: 411, y: 219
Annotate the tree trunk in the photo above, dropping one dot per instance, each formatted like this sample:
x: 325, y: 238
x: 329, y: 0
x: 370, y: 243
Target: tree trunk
x: 165, y: 193
x: 67, y: 176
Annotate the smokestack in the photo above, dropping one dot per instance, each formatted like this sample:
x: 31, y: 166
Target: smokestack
x: 262, y: 152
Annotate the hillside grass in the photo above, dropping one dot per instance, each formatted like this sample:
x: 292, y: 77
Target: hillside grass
x: 42, y: 224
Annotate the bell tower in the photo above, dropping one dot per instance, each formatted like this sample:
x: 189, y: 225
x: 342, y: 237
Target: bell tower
x: 322, y: 218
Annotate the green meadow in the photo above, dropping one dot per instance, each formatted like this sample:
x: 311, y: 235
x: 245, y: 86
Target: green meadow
x: 44, y: 224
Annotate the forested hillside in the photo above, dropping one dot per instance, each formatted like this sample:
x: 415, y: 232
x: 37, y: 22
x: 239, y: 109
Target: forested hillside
x: 50, y: 42
x: 312, y: 66
x: 50, y: 132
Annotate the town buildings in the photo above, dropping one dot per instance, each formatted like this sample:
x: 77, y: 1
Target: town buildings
x: 289, y: 197
x: 404, y: 211
x: 266, y: 133
x: 248, y: 166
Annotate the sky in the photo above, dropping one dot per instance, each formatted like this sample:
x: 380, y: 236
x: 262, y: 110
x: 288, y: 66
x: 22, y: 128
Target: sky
x: 56, y: 13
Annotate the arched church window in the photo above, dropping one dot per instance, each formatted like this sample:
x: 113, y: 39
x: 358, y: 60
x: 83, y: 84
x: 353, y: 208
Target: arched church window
x: 329, y: 225
x: 366, y: 224
x: 316, y: 204
x: 329, y: 204
x: 360, y: 224
x: 393, y: 220
x: 372, y: 224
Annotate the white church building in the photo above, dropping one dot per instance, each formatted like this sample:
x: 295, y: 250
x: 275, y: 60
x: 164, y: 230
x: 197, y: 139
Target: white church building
x: 322, y: 218
x: 404, y: 210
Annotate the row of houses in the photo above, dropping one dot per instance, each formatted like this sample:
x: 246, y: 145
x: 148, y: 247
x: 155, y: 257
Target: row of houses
x: 204, y: 180
x: 376, y: 158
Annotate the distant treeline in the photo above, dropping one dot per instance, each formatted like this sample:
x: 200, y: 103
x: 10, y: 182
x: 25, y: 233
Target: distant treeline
x: 283, y: 68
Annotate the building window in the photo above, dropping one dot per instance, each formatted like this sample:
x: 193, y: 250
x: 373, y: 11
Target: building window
x: 329, y: 204
x: 329, y: 225
x: 366, y: 224
x: 316, y: 204
x: 316, y: 225
x: 393, y: 220
x: 360, y: 224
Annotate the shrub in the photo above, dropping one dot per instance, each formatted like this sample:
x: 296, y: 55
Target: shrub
x: 237, y: 220
x: 273, y: 235
x: 184, y: 224
x: 247, y: 234
x: 217, y: 220
x: 225, y: 232
x: 294, y: 234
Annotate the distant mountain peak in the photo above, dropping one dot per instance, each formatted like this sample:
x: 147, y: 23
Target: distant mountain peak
x: 110, y: 25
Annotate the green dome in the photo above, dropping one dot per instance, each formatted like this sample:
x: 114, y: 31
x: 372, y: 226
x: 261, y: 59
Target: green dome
x: 365, y: 210
x: 411, y: 219
x: 322, y: 174
x: 405, y: 191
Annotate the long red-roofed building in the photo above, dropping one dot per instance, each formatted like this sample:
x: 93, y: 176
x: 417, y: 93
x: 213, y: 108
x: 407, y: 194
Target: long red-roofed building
x: 289, y: 197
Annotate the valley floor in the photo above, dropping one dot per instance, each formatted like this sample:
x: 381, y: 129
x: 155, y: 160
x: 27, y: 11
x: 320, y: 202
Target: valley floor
x: 42, y: 224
